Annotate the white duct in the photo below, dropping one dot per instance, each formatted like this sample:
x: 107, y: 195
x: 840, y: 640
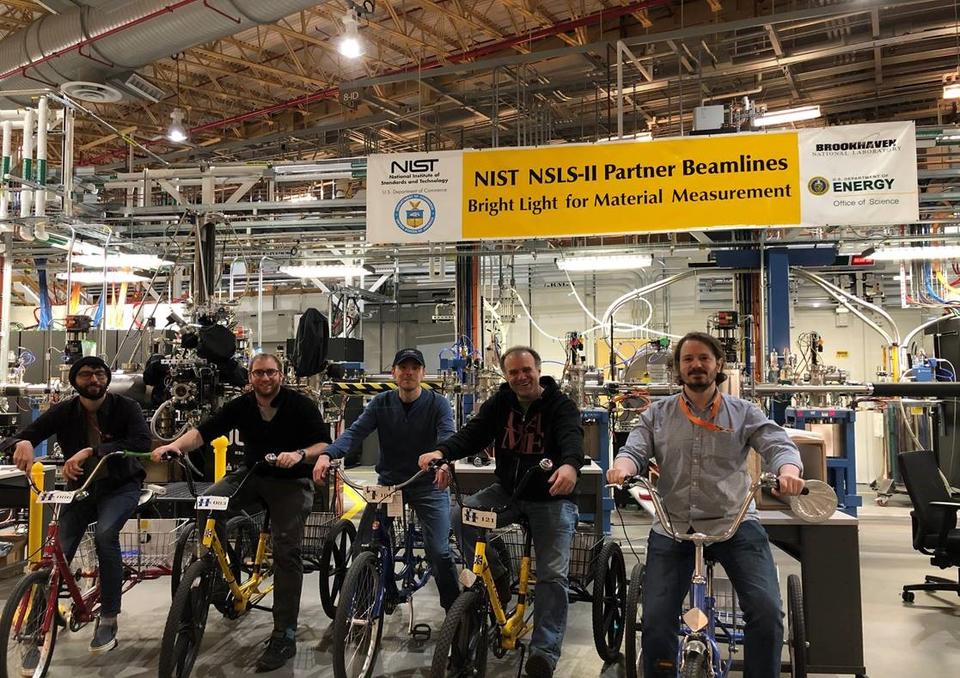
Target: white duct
x: 59, y: 48
x: 25, y: 231
x: 40, y: 195
x: 5, y: 164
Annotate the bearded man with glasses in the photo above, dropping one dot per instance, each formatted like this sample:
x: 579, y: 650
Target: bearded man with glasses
x: 88, y: 427
x: 270, y: 419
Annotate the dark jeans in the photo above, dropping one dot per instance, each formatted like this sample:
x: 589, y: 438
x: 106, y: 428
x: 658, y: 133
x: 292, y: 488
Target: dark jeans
x: 289, y: 501
x: 110, y: 512
x: 747, y: 560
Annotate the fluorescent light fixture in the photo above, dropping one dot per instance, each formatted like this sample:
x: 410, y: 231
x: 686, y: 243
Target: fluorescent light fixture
x: 302, y: 197
x: 786, y: 116
x: 100, y: 277
x: 951, y: 90
x: 610, y: 262
x: 145, y: 261
x: 636, y: 136
x: 177, y: 133
x: 926, y: 252
x: 350, y: 45
x: 325, y: 271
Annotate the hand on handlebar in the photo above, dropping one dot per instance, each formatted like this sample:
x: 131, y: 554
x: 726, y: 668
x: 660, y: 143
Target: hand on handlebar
x: 287, y: 459
x: 424, y: 461
x: 320, y: 468
x: 617, y: 476
x: 165, y: 453
x: 788, y: 486
x: 562, y: 481
x: 73, y: 467
x: 23, y: 456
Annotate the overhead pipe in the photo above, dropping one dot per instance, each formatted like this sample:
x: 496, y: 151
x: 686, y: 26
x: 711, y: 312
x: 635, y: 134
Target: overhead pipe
x: 40, y: 194
x: 25, y: 231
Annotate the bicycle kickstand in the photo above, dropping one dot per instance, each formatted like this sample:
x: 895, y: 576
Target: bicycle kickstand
x: 523, y: 653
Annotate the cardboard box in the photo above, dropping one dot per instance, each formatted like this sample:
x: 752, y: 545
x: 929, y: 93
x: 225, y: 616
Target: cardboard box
x: 15, y: 556
x: 813, y: 455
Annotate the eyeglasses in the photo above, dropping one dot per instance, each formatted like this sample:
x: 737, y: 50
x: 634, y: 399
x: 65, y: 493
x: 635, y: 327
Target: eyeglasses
x: 88, y: 374
x: 265, y: 373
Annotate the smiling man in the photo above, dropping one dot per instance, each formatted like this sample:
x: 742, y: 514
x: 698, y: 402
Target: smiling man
x: 270, y: 418
x: 700, y: 439
x: 527, y: 420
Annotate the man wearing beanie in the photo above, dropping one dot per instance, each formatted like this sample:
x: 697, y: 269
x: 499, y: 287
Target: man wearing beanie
x: 88, y: 427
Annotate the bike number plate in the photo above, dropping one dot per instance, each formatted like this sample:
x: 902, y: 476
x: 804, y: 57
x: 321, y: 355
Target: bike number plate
x: 485, y: 519
x: 212, y: 503
x: 55, y: 497
x: 378, y: 494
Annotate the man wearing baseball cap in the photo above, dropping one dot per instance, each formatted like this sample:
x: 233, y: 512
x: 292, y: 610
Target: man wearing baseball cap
x: 409, y: 421
x: 88, y: 427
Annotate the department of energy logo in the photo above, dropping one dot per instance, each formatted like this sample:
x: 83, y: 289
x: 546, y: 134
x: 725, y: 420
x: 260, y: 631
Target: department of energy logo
x: 818, y: 185
x: 414, y: 213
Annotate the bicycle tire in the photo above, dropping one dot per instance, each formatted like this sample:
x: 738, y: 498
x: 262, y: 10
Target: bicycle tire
x: 461, y: 650
x: 36, y: 585
x: 796, y: 629
x: 361, y: 589
x: 187, y: 620
x: 184, y: 555
x: 633, y: 626
x: 335, y: 559
x: 609, y: 601
x: 695, y: 666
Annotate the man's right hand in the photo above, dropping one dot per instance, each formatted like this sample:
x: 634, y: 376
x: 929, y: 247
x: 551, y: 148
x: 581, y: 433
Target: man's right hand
x: 164, y: 453
x: 427, y: 457
x: 320, y: 469
x: 23, y: 455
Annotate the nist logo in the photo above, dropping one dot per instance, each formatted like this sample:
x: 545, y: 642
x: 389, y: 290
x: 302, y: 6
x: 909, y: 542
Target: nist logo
x: 413, y: 166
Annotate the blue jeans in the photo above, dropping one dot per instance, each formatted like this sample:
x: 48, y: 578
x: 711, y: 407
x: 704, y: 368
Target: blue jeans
x: 747, y: 560
x: 432, y: 507
x: 110, y: 512
x: 552, y: 524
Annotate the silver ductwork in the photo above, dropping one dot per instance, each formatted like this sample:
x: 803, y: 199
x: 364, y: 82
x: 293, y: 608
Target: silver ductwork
x: 111, y: 40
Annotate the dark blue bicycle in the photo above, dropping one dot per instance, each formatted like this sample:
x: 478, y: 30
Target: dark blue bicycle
x: 374, y: 586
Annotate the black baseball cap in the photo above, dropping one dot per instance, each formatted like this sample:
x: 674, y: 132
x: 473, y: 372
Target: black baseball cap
x: 409, y: 354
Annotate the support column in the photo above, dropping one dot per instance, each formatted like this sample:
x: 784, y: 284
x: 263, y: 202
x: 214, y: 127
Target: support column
x: 778, y: 313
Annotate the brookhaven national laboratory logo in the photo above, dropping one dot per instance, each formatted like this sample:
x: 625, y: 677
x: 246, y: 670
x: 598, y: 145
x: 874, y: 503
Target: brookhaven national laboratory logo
x: 818, y: 185
x: 415, y: 213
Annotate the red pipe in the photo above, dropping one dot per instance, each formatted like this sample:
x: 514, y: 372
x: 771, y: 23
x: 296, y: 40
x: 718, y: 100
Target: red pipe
x: 22, y: 70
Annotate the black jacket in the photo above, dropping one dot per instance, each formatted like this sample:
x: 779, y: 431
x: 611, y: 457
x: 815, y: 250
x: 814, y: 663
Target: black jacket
x: 122, y: 427
x: 550, y: 428
x: 296, y: 425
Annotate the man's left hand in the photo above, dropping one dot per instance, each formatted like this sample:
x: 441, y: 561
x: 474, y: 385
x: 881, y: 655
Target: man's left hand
x: 791, y: 484
x: 73, y: 467
x: 288, y: 459
x: 563, y: 480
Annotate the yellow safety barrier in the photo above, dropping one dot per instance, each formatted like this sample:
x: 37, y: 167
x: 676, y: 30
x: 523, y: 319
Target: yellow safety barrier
x: 220, y: 457
x: 372, y: 387
x: 35, y: 523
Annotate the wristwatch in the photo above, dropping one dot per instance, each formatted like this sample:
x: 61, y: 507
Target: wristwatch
x: 303, y: 455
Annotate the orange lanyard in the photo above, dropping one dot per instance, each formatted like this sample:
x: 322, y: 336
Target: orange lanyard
x: 704, y: 423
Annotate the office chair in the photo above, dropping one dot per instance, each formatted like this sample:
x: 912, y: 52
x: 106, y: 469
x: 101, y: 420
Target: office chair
x: 934, y: 517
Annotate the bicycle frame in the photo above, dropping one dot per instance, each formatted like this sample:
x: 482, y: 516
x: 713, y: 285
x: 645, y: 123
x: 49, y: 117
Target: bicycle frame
x: 514, y: 627
x: 248, y: 593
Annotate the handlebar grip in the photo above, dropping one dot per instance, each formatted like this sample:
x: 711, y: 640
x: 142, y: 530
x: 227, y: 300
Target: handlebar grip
x: 270, y: 458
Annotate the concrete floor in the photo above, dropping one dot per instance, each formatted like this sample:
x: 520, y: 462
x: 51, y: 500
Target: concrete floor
x: 922, y: 639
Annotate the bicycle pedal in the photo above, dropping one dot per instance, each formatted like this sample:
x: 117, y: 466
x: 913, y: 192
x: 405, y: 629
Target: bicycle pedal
x: 421, y: 632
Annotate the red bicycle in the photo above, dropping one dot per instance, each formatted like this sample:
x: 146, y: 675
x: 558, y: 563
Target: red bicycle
x: 32, y: 615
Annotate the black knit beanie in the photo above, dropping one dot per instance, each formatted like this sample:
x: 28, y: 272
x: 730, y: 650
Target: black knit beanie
x: 89, y: 361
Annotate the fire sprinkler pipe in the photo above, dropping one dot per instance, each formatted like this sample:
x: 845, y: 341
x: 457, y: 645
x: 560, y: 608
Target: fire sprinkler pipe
x: 40, y: 195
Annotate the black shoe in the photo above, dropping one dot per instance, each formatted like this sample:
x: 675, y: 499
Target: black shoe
x: 538, y: 666
x: 279, y: 650
x: 104, y: 638
x: 503, y: 590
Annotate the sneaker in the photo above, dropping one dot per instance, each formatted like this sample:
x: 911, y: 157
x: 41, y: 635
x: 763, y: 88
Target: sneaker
x: 539, y: 666
x: 279, y: 650
x: 104, y: 638
x: 30, y: 662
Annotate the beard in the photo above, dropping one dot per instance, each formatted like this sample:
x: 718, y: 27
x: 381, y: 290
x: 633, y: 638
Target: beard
x: 699, y: 386
x: 92, y: 391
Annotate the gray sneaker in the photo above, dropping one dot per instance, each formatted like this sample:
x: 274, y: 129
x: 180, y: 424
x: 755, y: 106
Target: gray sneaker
x: 104, y: 638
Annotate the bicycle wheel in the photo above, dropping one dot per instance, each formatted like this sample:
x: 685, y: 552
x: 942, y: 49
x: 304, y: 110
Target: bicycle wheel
x: 26, y: 649
x: 695, y: 666
x: 184, y: 554
x: 242, y: 534
x: 609, y: 601
x: 632, y: 627
x: 796, y: 629
x: 357, y: 627
x: 461, y: 649
x: 187, y: 620
x: 335, y: 559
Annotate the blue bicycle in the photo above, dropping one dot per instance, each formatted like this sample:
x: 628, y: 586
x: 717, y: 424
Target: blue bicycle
x: 704, y: 623
x: 374, y: 587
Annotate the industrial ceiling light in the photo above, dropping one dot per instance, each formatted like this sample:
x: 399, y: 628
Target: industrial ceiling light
x: 326, y: 271
x: 787, y: 115
x: 926, y: 252
x: 177, y: 133
x: 636, y: 136
x: 350, y: 45
x: 609, y: 262
x: 144, y: 261
x: 100, y: 277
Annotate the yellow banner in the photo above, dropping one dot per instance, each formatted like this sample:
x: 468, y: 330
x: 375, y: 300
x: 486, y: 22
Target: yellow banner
x: 697, y: 182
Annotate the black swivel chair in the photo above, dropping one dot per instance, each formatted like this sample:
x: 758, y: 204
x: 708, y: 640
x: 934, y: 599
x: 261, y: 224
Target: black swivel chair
x: 934, y: 515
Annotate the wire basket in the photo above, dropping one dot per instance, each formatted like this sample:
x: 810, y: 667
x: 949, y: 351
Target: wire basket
x: 144, y: 543
x: 727, y: 608
x: 315, y: 531
x: 584, y: 551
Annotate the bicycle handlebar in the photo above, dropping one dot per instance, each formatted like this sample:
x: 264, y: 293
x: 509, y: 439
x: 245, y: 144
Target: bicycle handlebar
x: 81, y: 492
x: 358, y: 486
x: 545, y: 465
